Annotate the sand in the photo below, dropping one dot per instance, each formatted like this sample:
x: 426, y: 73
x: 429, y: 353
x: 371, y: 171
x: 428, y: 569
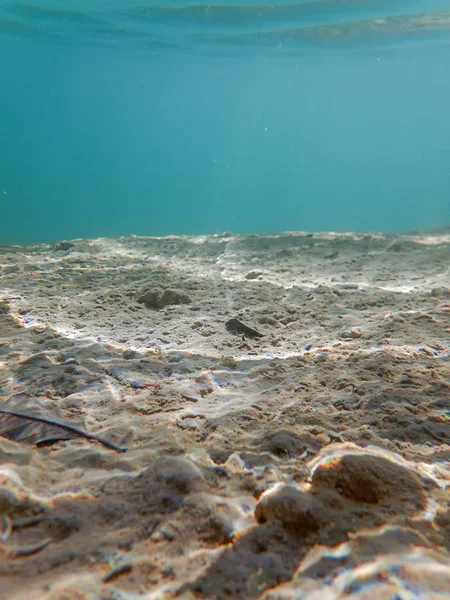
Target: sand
x: 312, y: 462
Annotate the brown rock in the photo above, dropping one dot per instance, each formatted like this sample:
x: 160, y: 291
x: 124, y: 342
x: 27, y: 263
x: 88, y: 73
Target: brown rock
x: 169, y: 297
x: 150, y: 298
x: 178, y: 473
x: 158, y: 298
x: 290, y: 507
x: 371, y: 479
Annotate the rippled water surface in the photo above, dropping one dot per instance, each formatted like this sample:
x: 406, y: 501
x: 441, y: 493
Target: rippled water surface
x: 236, y: 27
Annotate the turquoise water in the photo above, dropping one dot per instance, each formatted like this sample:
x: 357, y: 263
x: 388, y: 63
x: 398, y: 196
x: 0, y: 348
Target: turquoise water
x: 158, y: 118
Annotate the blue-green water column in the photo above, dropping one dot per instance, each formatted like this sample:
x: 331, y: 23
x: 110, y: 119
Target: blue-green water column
x: 107, y: 142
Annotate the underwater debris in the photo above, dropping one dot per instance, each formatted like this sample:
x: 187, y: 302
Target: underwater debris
x: 12, y: 427
x: 236, y: 327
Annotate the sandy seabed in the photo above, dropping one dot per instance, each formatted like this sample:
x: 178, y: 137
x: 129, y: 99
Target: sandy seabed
x: 312, y: 462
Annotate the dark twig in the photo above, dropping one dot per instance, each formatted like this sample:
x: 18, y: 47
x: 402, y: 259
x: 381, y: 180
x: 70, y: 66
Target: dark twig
x: 117, y: 572
x: 84, y: 434
x: 30, y: 550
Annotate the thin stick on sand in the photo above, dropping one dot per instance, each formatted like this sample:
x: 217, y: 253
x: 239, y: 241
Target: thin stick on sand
x: 79, y: 432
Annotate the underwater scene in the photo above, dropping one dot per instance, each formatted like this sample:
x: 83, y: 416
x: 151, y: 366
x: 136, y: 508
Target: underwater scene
x: 224, y: 300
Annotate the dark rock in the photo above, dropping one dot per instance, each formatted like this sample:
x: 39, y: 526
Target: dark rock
x: 169, y: 297
x: 64, y: 246
x: 236, y: 327
x: 158, y: 298
x: 150, y: 298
